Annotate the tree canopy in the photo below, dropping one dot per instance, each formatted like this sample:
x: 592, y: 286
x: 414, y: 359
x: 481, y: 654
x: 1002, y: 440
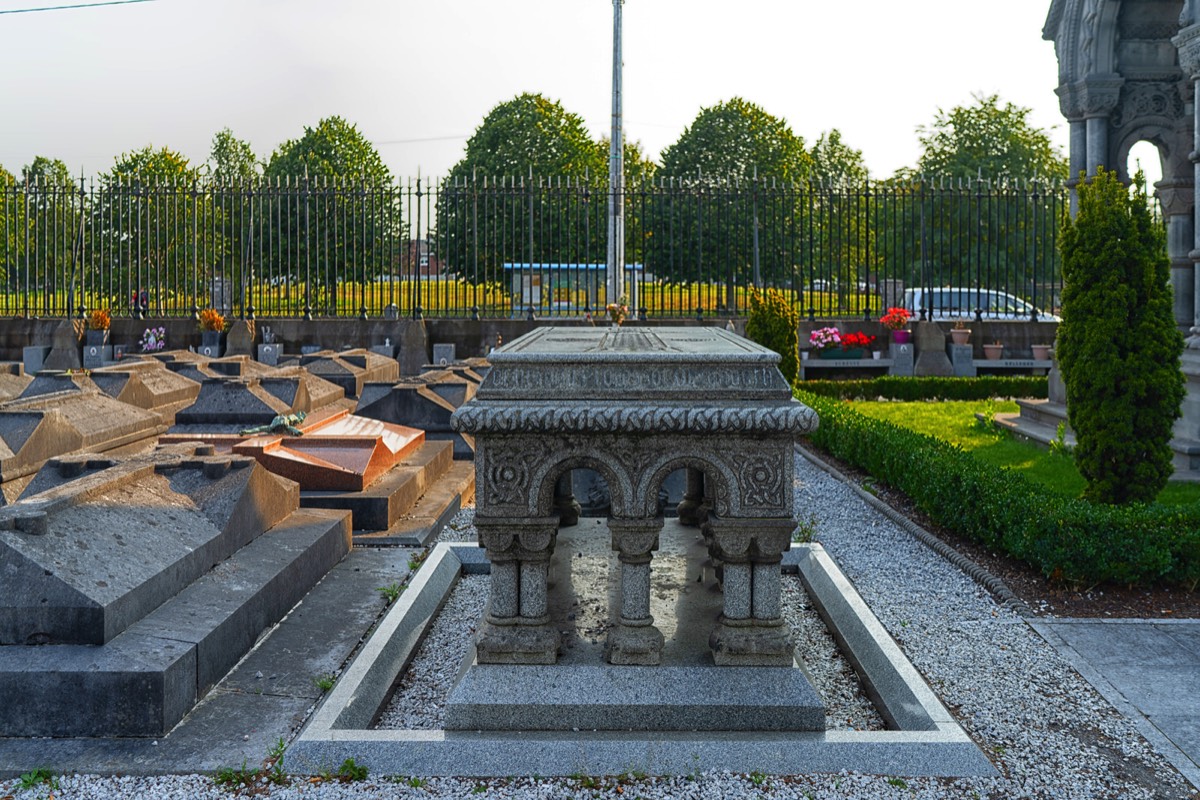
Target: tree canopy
x: 990, y: 139
x: 232, y: 159
x: 834, y: 160
x: 737, y: 139
x: 531, y: 133
x: 335, y: 148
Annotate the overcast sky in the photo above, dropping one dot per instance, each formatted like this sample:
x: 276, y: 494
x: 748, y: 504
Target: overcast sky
x: 417, y: 76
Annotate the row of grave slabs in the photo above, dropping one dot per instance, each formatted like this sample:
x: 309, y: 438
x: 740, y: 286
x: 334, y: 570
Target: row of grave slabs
x: 376, y: 457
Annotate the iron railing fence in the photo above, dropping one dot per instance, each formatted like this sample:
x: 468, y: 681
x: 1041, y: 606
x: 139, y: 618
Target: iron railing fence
x: 297, y: 247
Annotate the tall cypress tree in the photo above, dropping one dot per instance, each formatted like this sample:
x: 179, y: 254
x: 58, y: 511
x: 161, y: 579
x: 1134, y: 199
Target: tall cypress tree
x: 1118, y: 346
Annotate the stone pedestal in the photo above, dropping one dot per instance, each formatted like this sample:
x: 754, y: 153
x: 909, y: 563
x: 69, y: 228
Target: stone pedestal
x: 930, y: 342
x: 962, y: 360
x: 903, y: 359
x: 516, y: 628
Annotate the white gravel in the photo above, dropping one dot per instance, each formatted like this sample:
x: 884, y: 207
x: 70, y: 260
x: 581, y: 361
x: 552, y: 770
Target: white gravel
x: 1049, y: 734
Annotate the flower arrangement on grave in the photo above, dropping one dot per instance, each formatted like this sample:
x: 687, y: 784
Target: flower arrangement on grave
x: 857, y: 341
x: 211, y: 320
x: 895, y: 318
x: 619, y: 310
x: 99, y: 320
x: 153, y: 339
x: 823, y: 338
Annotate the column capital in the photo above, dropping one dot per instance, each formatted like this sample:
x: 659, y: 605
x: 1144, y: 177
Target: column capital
x: 1098, y: 95
x: 1187, y: 43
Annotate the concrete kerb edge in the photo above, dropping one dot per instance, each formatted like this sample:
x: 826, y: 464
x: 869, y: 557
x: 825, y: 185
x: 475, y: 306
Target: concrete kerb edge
x: 998, y: 588
x: 942, y: 748
x: 1157, y: 739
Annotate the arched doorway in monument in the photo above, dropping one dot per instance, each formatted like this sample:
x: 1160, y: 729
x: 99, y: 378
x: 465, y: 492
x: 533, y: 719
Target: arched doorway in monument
x: 638, y: 571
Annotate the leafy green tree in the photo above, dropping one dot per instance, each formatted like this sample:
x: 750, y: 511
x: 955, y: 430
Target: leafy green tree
x: 1118, y: 345
x: 730, y: 222
x: 334, y: 213
x: 835, y: 161
x: 12, y: 225
x: 155, y: 229
x: 531, y: 187
x: 54, y: 238
x: 231, y: 159
x: 987, y: 177
x: 990, y: 140
x: 233, y: 169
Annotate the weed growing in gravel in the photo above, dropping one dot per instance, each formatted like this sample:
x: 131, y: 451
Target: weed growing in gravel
x: 350, y: 771
x: 41, y: 776
x: 324, y: 681
x: 899, y: 783
x: 415, y: 782
x: 479, y: 788
x: 806, y: 530
x: 757, y: 778
x: 390, y: 592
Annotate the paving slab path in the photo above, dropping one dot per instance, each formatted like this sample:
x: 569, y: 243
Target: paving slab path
x: 1149, y: 669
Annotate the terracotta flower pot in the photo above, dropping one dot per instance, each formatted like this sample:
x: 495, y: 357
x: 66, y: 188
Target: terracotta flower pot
x: 960, y: 335
x: 1041, y: 352
x: 993, y: 352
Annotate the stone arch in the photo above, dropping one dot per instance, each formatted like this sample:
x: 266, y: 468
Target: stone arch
x: 619, y: 484
x: 1158, y: 135
x: 715, y: 472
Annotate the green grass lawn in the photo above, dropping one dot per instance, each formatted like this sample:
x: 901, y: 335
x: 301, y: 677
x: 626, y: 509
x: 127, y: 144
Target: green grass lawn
x: 954, y: 421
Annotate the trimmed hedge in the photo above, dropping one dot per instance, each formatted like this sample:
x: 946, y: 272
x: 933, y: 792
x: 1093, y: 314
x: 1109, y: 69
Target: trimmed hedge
x: 1074, y: 540
x: 897, y: 388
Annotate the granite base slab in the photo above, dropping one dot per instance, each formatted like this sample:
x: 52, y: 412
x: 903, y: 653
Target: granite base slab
x: 497, y: 697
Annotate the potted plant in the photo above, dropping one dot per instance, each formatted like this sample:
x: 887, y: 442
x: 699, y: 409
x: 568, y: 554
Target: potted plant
x: 97, y: 327
x: 895, y: 319
x: 1041, y: 352
x: 211, y: 323
x: 826, y: 342
x: 856, y: 345
x: 993, y: 351
x: 960, y: 333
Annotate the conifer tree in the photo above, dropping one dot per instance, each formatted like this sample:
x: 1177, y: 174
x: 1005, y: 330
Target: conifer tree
x: 775, y: 324
x: 1118, y: 346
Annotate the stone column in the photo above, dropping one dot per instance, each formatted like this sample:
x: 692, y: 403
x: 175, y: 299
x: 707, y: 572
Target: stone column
x: 516, y: 628
x: 1187, y: 42
x: 1079, y: 152
x: 751, y: 630
x: 1098, y: 95
x: 1177, y: 197
x: 634, y: 640
x: 693, y: 497
x: 565, y: 504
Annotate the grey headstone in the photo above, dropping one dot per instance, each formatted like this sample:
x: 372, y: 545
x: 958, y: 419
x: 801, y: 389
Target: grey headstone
x: 96, y: 355
x: 962, y: 360
x: 902, y: 359
x: 269, y: 353
x: 34, y: 358
x: 443, y: 354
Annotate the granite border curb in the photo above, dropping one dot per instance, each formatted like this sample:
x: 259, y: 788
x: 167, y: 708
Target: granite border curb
x: 998, y: 588
x: 929, y: 743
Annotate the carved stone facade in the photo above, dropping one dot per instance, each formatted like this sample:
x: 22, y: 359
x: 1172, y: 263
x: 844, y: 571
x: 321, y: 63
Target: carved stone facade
x: 635, y: 405
x: 1127, y: 71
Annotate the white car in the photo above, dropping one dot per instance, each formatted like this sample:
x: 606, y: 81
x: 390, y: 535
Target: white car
x: 953, y: 303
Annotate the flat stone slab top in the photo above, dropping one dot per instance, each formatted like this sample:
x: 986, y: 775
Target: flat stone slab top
x: 342, y: 452
x: 634, y: 364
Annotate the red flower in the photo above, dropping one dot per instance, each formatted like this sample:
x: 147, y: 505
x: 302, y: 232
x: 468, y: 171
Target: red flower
x: 855, y: 341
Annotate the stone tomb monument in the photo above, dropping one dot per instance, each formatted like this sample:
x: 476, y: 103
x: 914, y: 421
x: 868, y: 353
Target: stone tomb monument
x: 636, y: 405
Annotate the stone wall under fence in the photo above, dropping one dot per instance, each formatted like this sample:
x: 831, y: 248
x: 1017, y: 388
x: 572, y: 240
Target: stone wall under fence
x: 413, y: 339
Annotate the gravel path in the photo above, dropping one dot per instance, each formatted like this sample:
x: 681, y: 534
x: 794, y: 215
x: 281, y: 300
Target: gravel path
x: 1049, y: 734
